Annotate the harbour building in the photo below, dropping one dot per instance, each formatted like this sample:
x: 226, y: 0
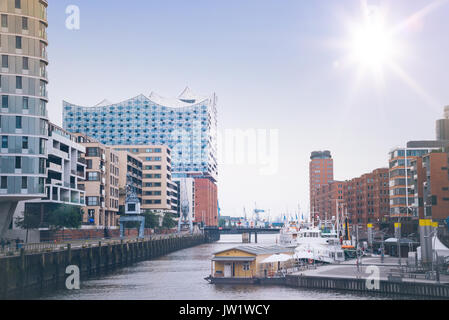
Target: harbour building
x: 187, y: 125
x: 101, y: 186
x: 159, y: 193
x: 401, y: 179
x: 321, y: 172
x: 23, y: 113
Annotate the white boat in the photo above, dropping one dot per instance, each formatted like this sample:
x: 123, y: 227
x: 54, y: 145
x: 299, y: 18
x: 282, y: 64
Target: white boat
x: 289, y: 234
x: 314, y: 245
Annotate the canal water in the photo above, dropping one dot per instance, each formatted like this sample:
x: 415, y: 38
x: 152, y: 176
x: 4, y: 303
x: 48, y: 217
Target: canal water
x: 180, y: 276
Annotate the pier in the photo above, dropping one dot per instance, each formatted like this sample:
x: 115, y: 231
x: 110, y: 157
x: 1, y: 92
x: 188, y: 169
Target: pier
x: 47, y: 269
x: 392, y: 281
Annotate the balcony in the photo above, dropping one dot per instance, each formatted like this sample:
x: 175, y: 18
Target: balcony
x: 55, y: 167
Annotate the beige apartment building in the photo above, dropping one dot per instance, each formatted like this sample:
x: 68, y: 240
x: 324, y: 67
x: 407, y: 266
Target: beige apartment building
x: 101, y: 185
x: 130, y: 166
x: 159, y: 192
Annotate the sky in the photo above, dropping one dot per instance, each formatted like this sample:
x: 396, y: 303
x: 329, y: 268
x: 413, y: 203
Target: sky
x: 275, y: 65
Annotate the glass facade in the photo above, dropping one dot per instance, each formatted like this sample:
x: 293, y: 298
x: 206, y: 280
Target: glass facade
x: 187, y: 126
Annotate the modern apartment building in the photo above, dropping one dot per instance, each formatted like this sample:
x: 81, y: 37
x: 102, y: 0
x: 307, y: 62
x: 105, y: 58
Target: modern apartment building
x: 23, y: 112
x: 65, y: 171
x: 101, y: 185
x: 367, y: 198
x: 431, y: 186
x: 321, y: 172
x: 187, y: 125
x: 328, y: 199
x: 159, y: 192
x: 401, y: 193
x: 130, y: 173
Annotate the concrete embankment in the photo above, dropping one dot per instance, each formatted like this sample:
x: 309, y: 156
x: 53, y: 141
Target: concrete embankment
x: 31, y: 272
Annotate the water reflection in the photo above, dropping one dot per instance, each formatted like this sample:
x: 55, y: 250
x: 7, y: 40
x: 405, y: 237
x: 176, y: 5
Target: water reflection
x: 180, y: 275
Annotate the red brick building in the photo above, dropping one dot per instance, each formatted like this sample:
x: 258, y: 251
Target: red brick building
x: 431, y: 186
x: 321, y: 172
x: 206, y: 205
x: 367, y: 198
x: 327, y: 197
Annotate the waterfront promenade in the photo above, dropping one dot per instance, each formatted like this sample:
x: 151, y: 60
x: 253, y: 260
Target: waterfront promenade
x: 393, y: 278
x: 14, y: 250
x: 46, y: 268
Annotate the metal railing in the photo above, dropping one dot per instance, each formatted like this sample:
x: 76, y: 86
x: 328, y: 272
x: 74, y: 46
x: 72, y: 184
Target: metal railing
x: 14, y: 249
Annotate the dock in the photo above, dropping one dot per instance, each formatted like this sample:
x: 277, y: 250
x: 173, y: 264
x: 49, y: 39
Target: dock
x: 392, y: 280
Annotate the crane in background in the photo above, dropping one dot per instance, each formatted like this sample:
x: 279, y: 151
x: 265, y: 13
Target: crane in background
x: 185, y: 219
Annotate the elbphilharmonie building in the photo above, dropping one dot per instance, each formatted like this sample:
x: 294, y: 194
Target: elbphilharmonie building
x: 186, y: 124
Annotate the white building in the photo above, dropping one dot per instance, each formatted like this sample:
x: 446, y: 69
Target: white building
x: 65, y: 169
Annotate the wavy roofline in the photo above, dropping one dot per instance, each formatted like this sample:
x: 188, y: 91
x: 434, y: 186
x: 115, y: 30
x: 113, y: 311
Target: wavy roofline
x: 169, y: 101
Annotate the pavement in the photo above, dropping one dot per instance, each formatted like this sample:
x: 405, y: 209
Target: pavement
x: 348, y: 269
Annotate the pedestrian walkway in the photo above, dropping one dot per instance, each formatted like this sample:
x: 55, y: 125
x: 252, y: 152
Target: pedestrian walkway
x: 389, y: 268
x: 13, y: 249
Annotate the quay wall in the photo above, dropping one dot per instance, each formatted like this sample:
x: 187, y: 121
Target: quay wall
x: 419, y: 289
x: 31, y: 272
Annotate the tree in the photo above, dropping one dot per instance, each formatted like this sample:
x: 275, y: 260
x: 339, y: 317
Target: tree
x: 151, y: 219
x: 168, y: 222
x: 30, y: 220
x: 65, y: 216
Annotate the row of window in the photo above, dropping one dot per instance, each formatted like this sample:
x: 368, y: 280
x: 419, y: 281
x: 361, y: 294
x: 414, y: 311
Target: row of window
x: 4, y: 183
x: 25, y: 62
x: 5, y: 142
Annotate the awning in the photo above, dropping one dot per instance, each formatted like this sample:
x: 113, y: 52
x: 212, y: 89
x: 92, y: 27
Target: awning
x: 234, y: 259
x: 277, y: 258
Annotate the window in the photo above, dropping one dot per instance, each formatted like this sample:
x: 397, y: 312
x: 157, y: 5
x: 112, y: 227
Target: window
x: 93, y: 176
x: 18, y: 42
x: 5, y: 102
x: 18, y: 4
x: 92, y: 152
x: 246, y: 266
x: 19, y: 82
x: 24, y: 183
x: 4, y: 183
x: 18, y: 122
x: 4, y: 61
x: 92, y: 201
x: 25, y: 23
x: 25, y: 143
x: 25, y: 63
x: 4, y: 21
x: 4, y: 142
x: 25, y: 103
x: 18, y: 163
x: 89, y: 164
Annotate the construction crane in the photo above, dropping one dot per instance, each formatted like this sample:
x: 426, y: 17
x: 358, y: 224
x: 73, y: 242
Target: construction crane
x: 185, y: 219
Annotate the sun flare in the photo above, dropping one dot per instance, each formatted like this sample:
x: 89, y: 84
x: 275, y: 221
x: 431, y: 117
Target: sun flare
x: 371, y: 43
x: 372, y: 46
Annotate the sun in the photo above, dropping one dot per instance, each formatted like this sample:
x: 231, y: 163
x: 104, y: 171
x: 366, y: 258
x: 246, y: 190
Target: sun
x: 372, y: 46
